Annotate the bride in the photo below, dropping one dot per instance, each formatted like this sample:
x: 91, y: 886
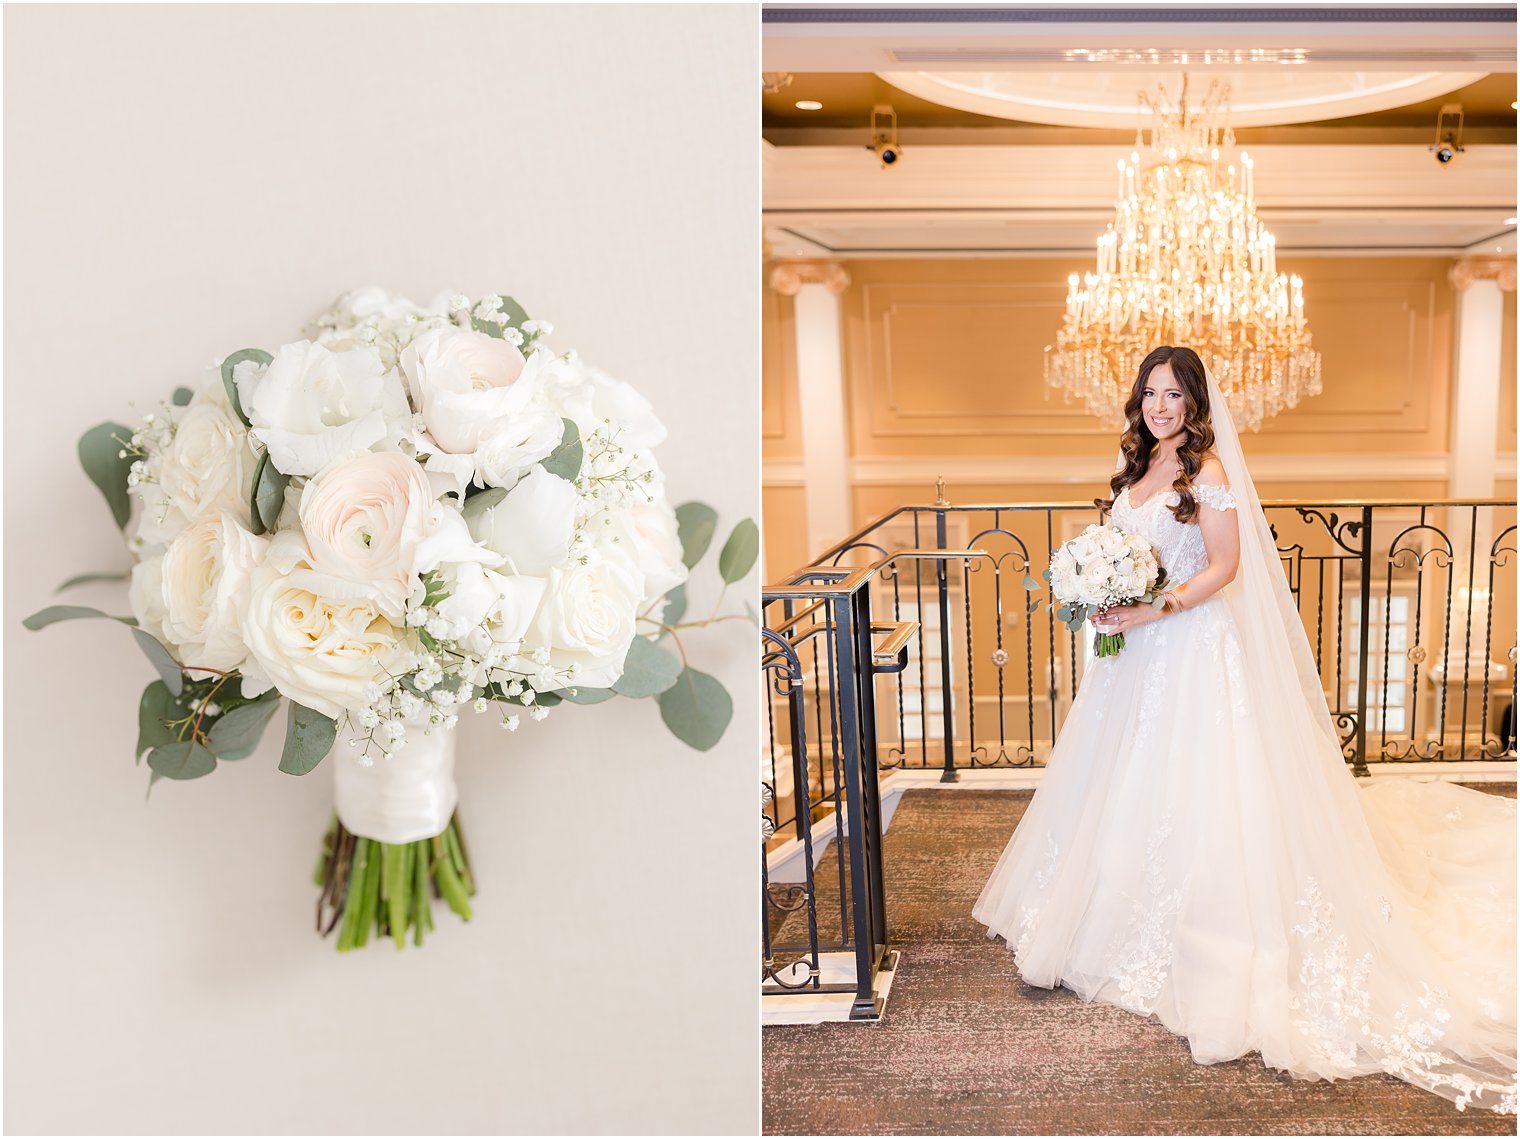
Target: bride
x: 1197, y: 849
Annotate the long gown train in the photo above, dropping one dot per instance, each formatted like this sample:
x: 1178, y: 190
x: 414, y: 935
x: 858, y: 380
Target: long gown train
x: 1176, y: 863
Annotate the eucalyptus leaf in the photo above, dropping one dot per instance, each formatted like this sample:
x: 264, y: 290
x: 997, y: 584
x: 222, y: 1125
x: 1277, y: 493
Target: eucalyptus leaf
x: 55, y: 613
x: 1063, y: 613
x: 587, y: 695
x: 675, y: 606
x: 236, y: 734
x: 168, y: 667
x: 697, y: 708
x: 1034, y: 603
x: 696, y: 522
x: 156, y: 706
x: 255, y: 523
x: 739, y: 552
x: 258, y: 356
x: 309, y: 736
x: 269, y: 484
x: 565, y: 460
x: 100, y: 454
x: 547, y: 699
x: 648, y: 670
x: 477, y: 504
x: 88, y: 578
x: 182, y: 396
x: 184, y: 759
x: 1032, y: 585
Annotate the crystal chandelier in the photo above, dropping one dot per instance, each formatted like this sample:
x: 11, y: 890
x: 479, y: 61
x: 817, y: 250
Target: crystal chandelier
x: 1186, y: 262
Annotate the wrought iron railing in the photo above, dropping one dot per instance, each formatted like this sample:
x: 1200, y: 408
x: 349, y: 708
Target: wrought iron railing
x: 823, y: 918
x: 1409, y: 608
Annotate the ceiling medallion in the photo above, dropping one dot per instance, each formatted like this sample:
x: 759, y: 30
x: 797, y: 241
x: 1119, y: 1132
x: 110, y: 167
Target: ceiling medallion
x: 1187, y: 262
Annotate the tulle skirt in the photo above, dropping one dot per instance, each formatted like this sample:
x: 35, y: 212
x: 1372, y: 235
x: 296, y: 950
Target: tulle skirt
x: 1191, y: 856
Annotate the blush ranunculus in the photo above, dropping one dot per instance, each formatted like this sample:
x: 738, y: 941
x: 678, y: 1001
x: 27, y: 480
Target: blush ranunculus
x: 373, y: 523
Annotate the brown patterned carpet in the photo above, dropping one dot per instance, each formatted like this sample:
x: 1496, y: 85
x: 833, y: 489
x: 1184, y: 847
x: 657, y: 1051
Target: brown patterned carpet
x: 966, y: 1048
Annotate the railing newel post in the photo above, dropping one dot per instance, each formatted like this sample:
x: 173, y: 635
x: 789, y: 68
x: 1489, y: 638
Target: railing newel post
x: 1359, y: 767
x: 946, y: 680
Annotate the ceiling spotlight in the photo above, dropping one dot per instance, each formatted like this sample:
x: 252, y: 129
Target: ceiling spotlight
x: 1448, y: 133
x: 884, y: 135
x: 809, y: 105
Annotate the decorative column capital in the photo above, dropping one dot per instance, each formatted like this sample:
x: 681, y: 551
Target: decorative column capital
x: 1470, y: 269
x: 788, y: 277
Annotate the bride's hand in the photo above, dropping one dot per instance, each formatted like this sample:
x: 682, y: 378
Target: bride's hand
x: 1123, y: 618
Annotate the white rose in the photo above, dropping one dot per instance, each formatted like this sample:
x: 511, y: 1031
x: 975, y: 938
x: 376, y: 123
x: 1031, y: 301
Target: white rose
x: 1093, y: 586
x: 516, y: 604
x: 646, y: 533
x: 1083, y: 549
x: 207, y: 572
x: 481, y: 405
x: 207, y: 467
x: 145, y: 596
x: 312, y: 407
x: 317, y: 650
x: 532, y: 527
x: 1110, y: 542
x: 587, y: 619
x: 589, y: 396
x: 372, y: 524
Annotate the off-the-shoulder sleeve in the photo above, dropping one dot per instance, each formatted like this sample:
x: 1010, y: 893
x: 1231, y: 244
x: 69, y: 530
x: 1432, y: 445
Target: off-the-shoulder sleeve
x: 1219, y: 497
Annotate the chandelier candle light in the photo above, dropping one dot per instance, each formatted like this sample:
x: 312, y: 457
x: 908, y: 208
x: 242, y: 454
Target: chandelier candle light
x: 1187, y: 261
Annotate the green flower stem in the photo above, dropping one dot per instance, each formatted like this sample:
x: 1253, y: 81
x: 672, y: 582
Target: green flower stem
x: 1109, y: 644
x: 448, y: 880
x: 387, y: 889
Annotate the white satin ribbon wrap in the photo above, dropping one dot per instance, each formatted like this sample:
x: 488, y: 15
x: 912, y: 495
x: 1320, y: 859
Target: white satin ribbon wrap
x: 408, y: 797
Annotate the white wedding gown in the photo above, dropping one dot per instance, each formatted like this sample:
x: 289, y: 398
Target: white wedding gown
x: 1185, y: 857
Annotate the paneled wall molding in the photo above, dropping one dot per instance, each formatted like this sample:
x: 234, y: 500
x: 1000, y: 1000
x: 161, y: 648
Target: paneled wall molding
x: 1469, y: 270
x: 996, y: 470
x: 788, y: 277
x: 939, y: 360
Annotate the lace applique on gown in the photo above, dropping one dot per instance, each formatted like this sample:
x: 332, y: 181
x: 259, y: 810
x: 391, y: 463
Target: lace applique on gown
x: 1174, y: 863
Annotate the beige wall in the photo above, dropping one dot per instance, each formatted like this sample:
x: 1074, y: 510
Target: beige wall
x: 185, y: 181
x: 943, y: 361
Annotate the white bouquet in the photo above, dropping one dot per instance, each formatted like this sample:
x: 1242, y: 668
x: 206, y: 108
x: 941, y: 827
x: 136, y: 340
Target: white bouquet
x: 412, y: 512
x: 1101, y: 567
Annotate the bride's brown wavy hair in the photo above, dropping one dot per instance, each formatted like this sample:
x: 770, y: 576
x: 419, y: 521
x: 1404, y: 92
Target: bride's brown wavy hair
x: 1137, y: 441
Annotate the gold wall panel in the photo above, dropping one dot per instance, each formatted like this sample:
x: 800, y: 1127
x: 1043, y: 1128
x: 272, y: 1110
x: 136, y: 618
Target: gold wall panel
x: 780, y: 416
x: 946, y: 357
x: 1507, y: 379
x: 784, y: 530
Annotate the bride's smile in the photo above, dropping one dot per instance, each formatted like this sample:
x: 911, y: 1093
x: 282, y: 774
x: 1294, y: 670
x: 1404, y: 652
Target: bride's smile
x: 1163, y: 404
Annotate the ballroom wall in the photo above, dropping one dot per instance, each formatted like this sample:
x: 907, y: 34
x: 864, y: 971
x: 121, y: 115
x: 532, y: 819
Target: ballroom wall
x: 943, y: 375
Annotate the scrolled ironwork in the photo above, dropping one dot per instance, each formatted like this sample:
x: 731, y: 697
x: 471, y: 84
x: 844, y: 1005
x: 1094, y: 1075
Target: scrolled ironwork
x: 1335, y: 526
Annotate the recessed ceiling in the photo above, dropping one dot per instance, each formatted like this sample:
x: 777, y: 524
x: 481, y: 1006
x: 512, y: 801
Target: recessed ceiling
x: 1109, y: 99
x: 847, y: 99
